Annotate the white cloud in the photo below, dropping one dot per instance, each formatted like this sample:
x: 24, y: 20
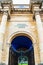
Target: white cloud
x: 21, y: 1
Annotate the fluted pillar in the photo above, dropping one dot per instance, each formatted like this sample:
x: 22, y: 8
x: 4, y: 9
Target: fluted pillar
x: 40, y: 34
x: 2, y: 32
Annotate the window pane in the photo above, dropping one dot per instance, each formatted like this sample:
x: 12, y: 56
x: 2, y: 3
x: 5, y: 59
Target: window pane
x: 21, y: 1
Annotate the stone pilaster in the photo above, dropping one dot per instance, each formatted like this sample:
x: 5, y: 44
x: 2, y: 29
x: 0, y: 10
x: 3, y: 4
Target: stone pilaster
x: 7, y: 54
x: 40, y: 34
x: 2, y: 32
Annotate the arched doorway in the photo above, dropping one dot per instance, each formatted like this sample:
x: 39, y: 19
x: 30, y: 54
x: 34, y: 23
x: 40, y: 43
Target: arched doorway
x: 21, y: 46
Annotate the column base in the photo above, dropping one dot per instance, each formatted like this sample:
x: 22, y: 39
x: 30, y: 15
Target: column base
x: 40, y: 64
x: 2, y: 64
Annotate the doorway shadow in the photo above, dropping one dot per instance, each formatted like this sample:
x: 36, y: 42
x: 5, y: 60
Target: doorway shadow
x: 21, y: 43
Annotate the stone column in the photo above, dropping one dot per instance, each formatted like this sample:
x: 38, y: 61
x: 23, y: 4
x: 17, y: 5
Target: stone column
x: 7, y: 54
x: 40, y: 34
x: 2, y: 32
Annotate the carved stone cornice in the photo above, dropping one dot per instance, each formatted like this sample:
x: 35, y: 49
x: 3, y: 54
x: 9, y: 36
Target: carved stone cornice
x: 36, y: 1
x: 33, y: 7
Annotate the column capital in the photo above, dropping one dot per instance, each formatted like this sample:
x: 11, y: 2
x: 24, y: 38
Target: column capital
x: 36, y: 13
x: 5, y: 12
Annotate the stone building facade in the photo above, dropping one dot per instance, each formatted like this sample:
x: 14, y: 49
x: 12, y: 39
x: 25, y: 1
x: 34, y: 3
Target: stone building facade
x: 15, y: 21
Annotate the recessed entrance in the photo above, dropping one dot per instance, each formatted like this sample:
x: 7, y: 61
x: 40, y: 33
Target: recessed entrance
x: 21, y: 51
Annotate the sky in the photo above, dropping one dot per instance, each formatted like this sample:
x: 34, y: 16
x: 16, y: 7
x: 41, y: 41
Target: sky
x: 21, y: 1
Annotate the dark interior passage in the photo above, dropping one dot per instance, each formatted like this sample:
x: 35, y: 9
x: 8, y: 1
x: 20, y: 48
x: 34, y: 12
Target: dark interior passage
x: 24, y: 44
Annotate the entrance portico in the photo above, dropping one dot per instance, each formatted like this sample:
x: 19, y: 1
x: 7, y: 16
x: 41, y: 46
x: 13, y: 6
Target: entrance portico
x: 21, y: 45
x: 19, y: 25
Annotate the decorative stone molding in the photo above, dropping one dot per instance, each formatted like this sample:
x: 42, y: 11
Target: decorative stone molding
x: 36, y: 1
x: 21, y: 33
x: 6, y: 1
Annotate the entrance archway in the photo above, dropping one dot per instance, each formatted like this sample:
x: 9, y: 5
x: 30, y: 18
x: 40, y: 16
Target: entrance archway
x: 21, y: 46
